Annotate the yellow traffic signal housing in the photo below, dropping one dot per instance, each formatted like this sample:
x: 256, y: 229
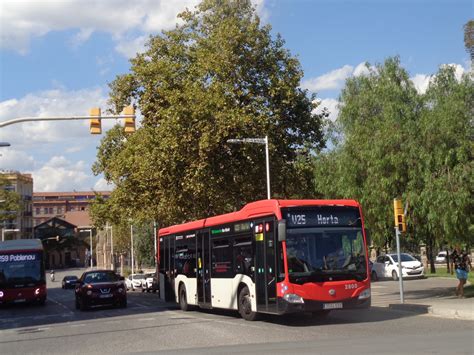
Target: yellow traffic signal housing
x: 400, y: 221
x: 129, y: 121
x: 95, y: 124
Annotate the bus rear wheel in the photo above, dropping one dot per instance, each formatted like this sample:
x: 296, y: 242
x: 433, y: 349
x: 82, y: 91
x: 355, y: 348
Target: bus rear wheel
x: 245, y: 305
x: 183, y: 301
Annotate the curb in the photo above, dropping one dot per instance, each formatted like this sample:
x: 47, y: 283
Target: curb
x: 436, y: 311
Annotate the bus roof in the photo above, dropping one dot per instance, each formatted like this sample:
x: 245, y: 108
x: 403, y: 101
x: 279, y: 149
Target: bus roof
x: 21, y: 244
x: 253, y: 210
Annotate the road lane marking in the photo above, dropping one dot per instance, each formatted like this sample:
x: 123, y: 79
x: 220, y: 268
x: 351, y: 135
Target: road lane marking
x: 60, y: 304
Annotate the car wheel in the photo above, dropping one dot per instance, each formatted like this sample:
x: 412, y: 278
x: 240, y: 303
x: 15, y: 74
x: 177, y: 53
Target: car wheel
x: 394, y: 275
x: 374, y: 276
x: 245, y: 305
x: 82, y: 305
x: 183, y: 301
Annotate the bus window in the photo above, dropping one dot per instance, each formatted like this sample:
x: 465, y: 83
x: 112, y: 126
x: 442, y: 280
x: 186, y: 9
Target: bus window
x: 221, y: 258
x: 243, y: 256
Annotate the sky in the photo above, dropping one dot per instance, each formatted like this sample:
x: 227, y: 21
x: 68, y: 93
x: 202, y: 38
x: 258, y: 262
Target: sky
x: 58, y: 56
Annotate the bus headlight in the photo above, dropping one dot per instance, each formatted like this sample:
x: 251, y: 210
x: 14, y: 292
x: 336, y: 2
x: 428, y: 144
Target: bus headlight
x: 364, y: 294
x: 37, y: 291
x: 292, y: 298
x: 1, y: 294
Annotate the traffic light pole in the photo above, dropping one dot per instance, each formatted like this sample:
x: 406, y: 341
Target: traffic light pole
x: 60, y: 118
x: 400, y: 275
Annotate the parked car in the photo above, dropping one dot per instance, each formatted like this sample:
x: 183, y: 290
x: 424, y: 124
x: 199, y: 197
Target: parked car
x: 150, y: 283
x: 387, y: 266
x: 371, y: 266
x: 69, y: 281
x: 441, y: 257
x: 134, y: 281
x: 100, y: 287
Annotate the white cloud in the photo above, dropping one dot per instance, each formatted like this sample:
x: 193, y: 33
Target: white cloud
x: 21, y: 21
x: 60, y: 174
x: 421, y: 82
x: 50, y: 103
x: 329, y: 81
x: 102, y: 185
x: 129, y: 48
x: 331, y: 105
x: 16, y: 160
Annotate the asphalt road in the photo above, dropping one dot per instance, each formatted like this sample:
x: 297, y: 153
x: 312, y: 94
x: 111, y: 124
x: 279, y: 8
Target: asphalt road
x: 149, y: 326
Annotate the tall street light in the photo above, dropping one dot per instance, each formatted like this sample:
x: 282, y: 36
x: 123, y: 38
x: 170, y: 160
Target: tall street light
x: 131, y: 240
x: 90, y: 234
x: 8, y: 230
x: 258, y: 141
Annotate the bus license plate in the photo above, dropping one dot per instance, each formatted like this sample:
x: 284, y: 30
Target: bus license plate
x: 336, y: 305
x: 106, y: 296
x: 19, y: 300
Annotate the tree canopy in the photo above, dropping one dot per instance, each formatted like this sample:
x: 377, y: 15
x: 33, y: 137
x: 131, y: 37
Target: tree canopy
x: 218, y: 75
x: 395, y: 142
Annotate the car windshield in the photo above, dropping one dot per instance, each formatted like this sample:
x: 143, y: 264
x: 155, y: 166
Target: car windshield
x: 330, y: 252
x: 20, y: 268
x: 97, y: 277
x: 404, y: 257
x: 139, y: 277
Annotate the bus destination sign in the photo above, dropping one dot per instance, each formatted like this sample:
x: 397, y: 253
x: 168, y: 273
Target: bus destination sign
x: 327, y: 216
x: 5, y: 258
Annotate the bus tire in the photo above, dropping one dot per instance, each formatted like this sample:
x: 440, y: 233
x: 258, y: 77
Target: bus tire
x: 245, y: 305
x: 183, y: 301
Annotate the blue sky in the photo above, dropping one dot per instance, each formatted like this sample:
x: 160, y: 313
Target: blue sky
x: 56, y: 58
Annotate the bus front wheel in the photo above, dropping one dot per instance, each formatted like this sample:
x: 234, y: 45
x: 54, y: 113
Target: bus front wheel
x: 183, y: 301
x: 245, y: 305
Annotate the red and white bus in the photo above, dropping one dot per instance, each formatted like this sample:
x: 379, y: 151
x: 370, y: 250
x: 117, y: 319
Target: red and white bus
x: 22, y: 272
x: 272, y: 256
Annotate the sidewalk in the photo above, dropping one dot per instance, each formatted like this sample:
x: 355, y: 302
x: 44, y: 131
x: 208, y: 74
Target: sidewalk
x: 435, y: 296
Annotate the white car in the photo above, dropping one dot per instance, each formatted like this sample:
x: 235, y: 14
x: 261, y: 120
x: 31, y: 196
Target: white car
x: 149, y: 283
x: 134, y: 281
x: 441, y: 257
x: 387, y: 266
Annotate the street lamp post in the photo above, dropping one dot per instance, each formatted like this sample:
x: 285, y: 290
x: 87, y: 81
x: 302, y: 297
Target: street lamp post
x: 131, y: 240
x: 7, y: 230
x: 267, y: 158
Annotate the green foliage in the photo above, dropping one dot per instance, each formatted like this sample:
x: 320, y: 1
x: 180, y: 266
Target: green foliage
x: 218, y: 75
x: 395, y: 142
x: 10, y: 201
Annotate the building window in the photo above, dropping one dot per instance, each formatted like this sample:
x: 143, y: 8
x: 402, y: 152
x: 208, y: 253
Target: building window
x: 38, y: 210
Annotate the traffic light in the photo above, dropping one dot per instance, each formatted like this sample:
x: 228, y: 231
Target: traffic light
x: 95, y: 125
x: 400, y: 222
x: 129, y: 121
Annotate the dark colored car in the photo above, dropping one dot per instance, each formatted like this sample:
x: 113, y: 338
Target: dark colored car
x: 100, y: 288
x: 69, y: 281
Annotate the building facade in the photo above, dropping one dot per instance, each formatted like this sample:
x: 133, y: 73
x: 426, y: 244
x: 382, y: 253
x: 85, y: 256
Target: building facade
x: 47, y: 205
x: 20, y: 227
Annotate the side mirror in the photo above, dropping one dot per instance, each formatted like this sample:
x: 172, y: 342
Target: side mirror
x: 282, y: 230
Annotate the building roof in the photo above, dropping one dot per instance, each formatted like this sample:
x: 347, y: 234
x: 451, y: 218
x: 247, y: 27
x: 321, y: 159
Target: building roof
x: 70, y: 193
x: 78, y: 218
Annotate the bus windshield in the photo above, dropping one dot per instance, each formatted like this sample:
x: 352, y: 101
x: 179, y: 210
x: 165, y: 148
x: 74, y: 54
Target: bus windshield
x: 319, y: 254
x: 20, y: 269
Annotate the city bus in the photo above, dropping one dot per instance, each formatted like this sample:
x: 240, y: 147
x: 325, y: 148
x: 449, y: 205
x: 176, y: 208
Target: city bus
x: 22, y: 272
x: 272, y: 256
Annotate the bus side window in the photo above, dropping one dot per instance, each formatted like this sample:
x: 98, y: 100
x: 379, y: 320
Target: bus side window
x: 243, y: 256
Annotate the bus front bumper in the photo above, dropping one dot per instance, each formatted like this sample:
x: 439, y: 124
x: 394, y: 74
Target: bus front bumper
x: 314, y: 306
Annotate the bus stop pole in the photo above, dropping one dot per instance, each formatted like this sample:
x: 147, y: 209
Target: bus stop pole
x: 400, y: 275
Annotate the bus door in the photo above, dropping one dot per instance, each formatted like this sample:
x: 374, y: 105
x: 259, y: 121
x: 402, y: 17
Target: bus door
x: 265, y: 264
x: 203, y: 269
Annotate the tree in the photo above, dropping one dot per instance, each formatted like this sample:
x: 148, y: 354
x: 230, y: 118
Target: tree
x: 10, y: 201
x: 442, y: 179
x: 369, y: 160
x: 395, y: 142
x: 218, y: 75
x: 469, y: 39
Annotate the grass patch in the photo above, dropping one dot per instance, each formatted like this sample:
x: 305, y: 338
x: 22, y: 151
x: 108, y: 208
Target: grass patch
x: 442, y: 272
